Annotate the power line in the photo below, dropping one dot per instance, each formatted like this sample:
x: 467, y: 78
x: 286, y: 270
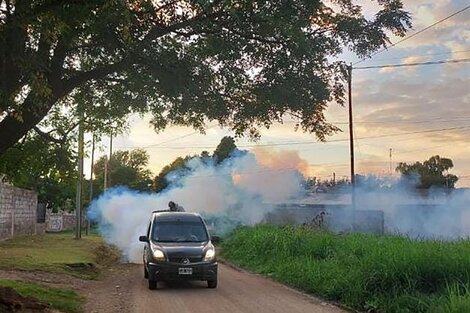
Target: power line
x: 415, y: 34
x: 167, y: 141
x: 171, y: 140
x: 159, y: 145
x: 436, y: 120
x: 292, y: 143
x: 439, y: 119
x: 424, y: 149
x: 423, y: 55
x: 412, y: 64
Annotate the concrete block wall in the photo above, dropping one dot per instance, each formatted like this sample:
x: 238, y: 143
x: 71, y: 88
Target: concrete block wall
x: 17, y: 211
x: 337, y: 218
x: 61, y: 221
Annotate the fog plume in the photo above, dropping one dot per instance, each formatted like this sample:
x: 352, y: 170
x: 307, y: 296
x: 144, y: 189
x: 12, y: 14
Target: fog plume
x: 236, y: 191
x: 248, y: 185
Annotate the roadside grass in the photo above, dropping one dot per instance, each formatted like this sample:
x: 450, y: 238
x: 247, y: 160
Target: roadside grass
x: 457, y: 300
x: 60, y: 299
x: 53, y: 252
x: 365, y: 272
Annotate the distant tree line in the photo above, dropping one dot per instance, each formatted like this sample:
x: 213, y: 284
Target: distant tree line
x: 422, y: 175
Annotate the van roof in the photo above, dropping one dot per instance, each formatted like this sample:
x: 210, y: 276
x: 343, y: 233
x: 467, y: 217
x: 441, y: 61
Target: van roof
x: 167, y: 216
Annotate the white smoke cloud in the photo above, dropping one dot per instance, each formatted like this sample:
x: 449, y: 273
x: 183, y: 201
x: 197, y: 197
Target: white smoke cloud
x: 238, y: 189
x: 420, y: 214
x: 247, y: 186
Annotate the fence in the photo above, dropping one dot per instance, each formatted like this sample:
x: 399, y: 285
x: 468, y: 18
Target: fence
x: 18, y: 212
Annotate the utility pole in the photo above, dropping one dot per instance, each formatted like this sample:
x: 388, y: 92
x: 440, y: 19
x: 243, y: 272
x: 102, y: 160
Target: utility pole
x: 105, y: 173
x: 78, y: 207
x: 110, y: 156
x: 91, y: 180
x: 334, y: 179
x: 390, y: 161
x: 351, y: 128
x: 351, y: 148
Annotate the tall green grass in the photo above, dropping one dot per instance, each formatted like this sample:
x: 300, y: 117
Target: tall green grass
x: 366, y: 272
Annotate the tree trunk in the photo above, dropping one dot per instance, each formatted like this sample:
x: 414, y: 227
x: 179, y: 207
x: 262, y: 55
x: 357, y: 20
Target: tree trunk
x: 12, y: 129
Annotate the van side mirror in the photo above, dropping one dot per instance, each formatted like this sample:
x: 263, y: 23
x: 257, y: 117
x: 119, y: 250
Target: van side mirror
x: 215, y: 239
x: 143, y: 239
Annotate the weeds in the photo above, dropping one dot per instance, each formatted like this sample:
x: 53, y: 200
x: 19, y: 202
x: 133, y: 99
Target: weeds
x: 366, y: 272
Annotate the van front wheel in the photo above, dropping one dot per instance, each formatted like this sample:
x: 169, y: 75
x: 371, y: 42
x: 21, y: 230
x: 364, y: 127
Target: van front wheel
x: 212, y: 283
x: 152, y: 284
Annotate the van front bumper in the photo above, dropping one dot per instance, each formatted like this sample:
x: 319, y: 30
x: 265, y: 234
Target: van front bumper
x: 170, y: 271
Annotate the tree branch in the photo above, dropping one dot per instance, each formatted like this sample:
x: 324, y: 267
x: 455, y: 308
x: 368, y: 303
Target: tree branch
x: 105, y: 70
x: 49, y: 137
x: 257, y: 38
x: 67, y: 132
x: 96, y: 73
x: 158, y: 32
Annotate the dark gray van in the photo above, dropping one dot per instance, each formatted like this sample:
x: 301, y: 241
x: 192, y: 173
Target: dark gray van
x: 178, y: 247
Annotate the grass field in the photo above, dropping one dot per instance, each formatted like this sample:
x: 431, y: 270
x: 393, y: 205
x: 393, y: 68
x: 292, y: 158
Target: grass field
x: 365, y: 272
x: 52, y: 252
x: 59, y: 299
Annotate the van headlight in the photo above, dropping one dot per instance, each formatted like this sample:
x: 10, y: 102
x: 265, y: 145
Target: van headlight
x: 210, y: 254
x: 158, y: 254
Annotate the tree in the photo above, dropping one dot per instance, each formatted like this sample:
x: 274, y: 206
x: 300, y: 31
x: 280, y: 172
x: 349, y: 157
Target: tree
x: 224, y: 149
x: 160, y: 182
x: 125, y: 168
x: 430, y: 172
x: 179, y: 166
x: 243, y: 63
x: 48, y: 168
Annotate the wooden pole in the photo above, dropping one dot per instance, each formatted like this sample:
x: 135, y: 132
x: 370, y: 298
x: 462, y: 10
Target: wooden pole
x: 78, y: 204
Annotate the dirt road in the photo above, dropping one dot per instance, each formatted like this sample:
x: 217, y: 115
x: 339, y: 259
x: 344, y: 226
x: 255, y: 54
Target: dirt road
x: 123, y: 289
x: 238, y: 292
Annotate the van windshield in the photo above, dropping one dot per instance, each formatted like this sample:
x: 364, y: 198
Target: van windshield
x: 179, y: 231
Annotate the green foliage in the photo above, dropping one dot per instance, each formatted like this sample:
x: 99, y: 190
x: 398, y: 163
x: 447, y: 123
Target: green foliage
x: 64, y: 300
x: 45, y: 167
x: 430, y: 172
x: 160, y: 182
x: 125, y: 168
x: 224, y: 149
x: 376, y: 273
x: 187, y: 63
x: 457, y: 300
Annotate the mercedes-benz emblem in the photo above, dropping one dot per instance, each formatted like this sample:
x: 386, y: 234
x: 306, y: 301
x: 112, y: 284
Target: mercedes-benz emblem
x: 185, y: 261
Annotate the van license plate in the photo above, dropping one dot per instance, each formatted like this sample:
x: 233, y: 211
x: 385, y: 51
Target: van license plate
x: 185, y: 271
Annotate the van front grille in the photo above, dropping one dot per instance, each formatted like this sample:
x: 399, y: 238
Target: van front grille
x: 181, y: 259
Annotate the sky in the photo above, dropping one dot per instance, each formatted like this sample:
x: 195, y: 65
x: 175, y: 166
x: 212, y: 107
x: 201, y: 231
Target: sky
x: 417, y: 112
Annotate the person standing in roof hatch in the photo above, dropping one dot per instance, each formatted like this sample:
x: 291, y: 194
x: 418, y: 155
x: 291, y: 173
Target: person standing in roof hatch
x: 174, y: 207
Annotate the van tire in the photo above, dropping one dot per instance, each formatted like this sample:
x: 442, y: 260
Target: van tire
x: 152, y: 284
x: 212, y: 283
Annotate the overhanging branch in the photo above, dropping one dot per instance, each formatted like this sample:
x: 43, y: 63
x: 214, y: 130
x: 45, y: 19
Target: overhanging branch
x: 49, y: 137
x: 96, y: 73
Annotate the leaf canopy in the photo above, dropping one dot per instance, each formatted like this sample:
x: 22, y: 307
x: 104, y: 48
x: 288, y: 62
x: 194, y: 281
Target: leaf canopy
x: 243, y: 63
